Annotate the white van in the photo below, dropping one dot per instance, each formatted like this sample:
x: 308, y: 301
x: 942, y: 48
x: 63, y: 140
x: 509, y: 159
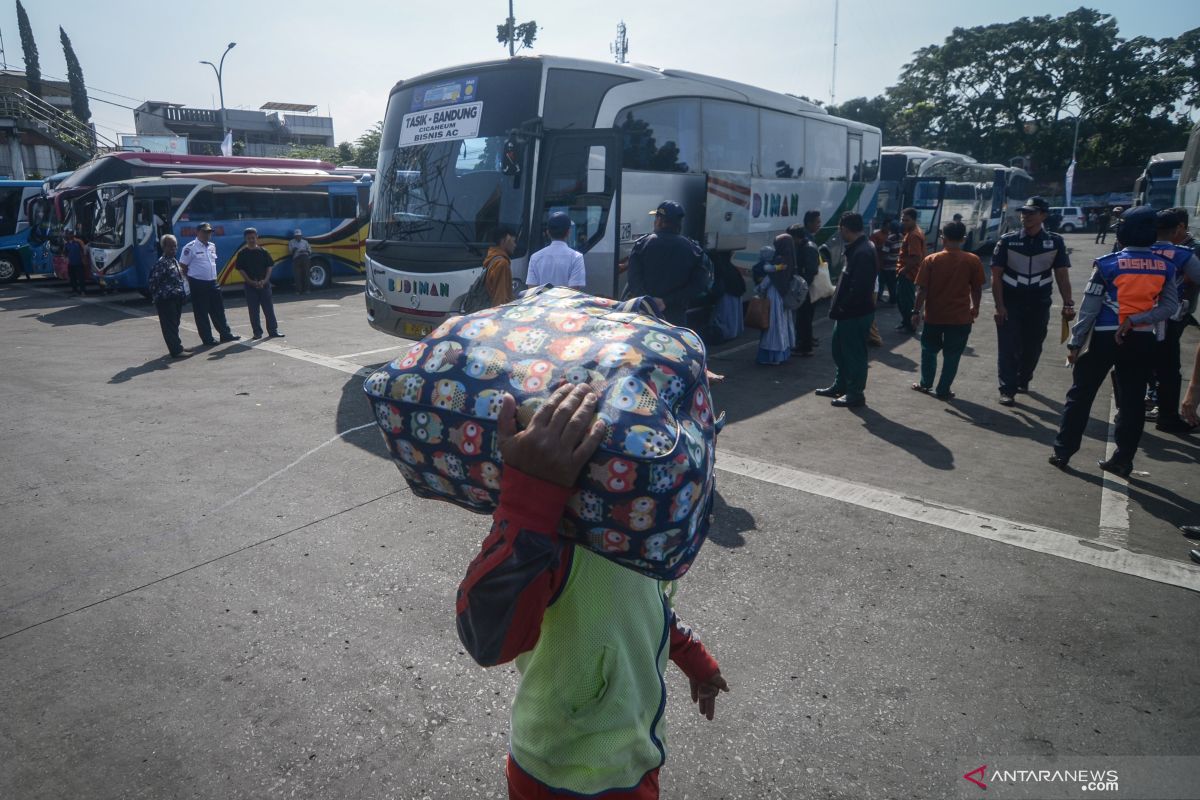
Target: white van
x: 1072, y: 218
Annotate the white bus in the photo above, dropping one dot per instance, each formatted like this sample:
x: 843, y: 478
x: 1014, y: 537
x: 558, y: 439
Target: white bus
x: 1187, y: 193
x: 1156, y: 186
x: 941, y: 184
x: 470, y: 148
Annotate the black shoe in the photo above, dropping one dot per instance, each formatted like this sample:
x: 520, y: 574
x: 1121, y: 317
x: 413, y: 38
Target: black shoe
x: 1195, y: 554
x: 945, y: 396
x: 1007, y: 400
x: 275, y: 335
x: 233, y: 337
x: 830, y: 391
x: 1023, y: 389
x: 1118, y: 468
x: 180, y: 354
x: 1058, y: 461
x: 904, y: 327
x: 208, y: 343
x: 845, y: 402
x: 1190, y: 531
x: 257, y: 335
x: 1152, y: 415
x: 1175, y: 426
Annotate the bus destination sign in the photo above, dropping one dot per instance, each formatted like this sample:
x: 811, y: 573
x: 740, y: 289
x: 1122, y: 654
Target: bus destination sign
x: 441, y: 124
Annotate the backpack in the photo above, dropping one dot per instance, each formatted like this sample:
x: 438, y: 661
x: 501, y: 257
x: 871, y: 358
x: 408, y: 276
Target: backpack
x: 644, y: 499
x: 477, y: 297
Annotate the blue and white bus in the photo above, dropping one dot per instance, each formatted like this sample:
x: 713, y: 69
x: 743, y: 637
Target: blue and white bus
x: 1156, y: 186
x: 330, y: 210
x: 467, y: 149
x: 23, y: 241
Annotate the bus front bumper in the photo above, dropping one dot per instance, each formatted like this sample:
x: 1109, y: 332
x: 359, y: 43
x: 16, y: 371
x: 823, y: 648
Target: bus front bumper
x: 389, y: 319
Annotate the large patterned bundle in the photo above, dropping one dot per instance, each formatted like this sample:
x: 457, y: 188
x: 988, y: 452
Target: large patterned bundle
x: 645, y: 497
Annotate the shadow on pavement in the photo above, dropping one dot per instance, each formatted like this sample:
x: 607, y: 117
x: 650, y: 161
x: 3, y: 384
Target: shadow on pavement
x: 156, y: 364
x: 729, y: 523
x: 354, y: 410
x: 1022, y: 422
x: 918, y: 443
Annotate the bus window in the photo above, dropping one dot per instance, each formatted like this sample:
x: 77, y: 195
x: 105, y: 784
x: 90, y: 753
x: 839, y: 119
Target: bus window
x: 344, y: 206
x: 854, y: 163
x: 824, y: 151
x: 730, y: 136
x: 573, y: 97
x: 870, y: 142
x: 10, y: 209
x: 781, y: 151
x: 662, y: 136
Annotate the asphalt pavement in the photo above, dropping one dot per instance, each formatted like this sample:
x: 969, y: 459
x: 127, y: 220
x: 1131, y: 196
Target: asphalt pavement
x: 213, y: 583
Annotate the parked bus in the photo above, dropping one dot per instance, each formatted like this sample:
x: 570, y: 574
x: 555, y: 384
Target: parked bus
x: 1187, y: 194
x: 509, y: 142
x: 71, y: 202
x: 1156, y: 186
x: 23, y: 246
x: 331, y: 210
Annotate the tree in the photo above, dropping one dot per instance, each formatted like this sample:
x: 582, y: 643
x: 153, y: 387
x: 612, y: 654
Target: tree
x: 318, y: 152
x: 33, y: 70
x: 1016, y: 88
x: 509, y: 32
x: 366, y: 147
x: 876, y: 111
x: 79, y: 98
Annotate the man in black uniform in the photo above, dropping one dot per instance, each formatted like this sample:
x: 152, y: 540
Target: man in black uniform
x: 668, y: 266
x: 853, y: 310
x: 1025, y: 265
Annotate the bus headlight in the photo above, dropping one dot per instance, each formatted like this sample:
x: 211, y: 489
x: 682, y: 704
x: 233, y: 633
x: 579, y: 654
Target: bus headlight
x: 373, y: 291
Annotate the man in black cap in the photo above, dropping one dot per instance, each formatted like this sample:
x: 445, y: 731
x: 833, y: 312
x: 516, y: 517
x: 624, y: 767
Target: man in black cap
x: 1025, y: 265
x: 668, y: 266
x: 1130, y: 294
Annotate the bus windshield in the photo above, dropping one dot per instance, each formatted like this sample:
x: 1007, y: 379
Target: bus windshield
x: 442, y: 178
x: 110, y: 217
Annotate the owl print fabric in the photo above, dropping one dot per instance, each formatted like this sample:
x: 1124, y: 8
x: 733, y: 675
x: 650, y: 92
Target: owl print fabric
x: 645, y: 497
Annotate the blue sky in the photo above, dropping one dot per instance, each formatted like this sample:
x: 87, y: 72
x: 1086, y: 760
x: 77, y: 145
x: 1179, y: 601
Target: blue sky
x: 345, y: 57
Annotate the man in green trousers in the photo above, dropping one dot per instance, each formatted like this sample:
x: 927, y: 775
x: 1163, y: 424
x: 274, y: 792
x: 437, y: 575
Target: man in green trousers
x: 852, y: 310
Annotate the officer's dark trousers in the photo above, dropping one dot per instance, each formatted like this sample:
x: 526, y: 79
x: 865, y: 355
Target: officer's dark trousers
x: 208, y: 303
x: 170, y: 311
x: 850, y: 354
x: 1020, y: 339
x: 77, y: 275
x: 1166, y: 373
x: 804, y: 323
x: 1133, y: 362
x: 906, y: 296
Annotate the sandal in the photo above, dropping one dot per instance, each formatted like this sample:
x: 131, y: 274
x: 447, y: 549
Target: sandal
x: 923, y: 389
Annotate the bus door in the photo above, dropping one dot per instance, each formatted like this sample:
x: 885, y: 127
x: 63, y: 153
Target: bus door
x: 149, y: 223
x: 928, y: 196
x: 579, y: 173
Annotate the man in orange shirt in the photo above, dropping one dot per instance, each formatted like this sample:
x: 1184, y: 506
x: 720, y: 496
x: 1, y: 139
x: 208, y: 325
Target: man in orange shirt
x: 498, y: 264
x: 949, y: 288
x: 912, y: 251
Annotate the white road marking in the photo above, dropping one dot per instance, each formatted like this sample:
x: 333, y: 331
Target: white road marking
x: 1114, y: 494
x: 328, y: 305
x: 380, y: 350
x: 963, y: 520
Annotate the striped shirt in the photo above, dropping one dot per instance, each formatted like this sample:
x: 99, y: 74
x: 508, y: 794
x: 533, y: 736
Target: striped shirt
x: 1029, y: 261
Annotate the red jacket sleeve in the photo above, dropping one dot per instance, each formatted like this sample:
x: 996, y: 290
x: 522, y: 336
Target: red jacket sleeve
x: 689, y: 654
x: 519, y: 571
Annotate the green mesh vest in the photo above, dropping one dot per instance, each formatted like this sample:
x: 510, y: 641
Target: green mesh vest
x: 588, y: 715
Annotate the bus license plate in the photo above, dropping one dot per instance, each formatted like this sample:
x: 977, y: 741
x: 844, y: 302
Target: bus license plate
x: 416, y: 330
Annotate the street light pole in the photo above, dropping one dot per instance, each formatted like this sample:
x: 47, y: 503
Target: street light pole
x: 1075, y: 143
x: 220, y: 70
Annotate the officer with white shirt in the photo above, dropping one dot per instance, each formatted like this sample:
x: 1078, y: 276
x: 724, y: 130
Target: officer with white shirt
x: 557, y: 263
x: 199, y: 263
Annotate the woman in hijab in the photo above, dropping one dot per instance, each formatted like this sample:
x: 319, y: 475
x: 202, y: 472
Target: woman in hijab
x: 773, y: 277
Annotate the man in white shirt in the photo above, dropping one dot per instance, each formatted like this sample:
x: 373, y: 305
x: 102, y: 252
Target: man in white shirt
x: 301, y: 252
x: 199, y: 263
x: 557, y: 263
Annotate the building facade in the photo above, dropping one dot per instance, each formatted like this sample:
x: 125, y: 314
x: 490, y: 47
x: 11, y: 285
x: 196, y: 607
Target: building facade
x: 273, y: 130
x: 38, y: 134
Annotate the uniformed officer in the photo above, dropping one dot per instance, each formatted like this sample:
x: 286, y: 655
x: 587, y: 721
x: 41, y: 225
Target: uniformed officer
x: 1025, y: 264
x: 1175, y: 244
x: 199, y: 263
x: 1131, y: 292
x: 668, y: 266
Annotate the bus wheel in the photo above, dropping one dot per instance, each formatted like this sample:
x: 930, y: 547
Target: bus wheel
x: 9, y: 269
x: 320, y: 276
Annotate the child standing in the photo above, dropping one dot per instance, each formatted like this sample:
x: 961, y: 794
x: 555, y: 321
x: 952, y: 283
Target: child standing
x: 590, y: 638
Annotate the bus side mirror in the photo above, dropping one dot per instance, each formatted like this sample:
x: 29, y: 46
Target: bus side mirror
x: 510, y: 160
